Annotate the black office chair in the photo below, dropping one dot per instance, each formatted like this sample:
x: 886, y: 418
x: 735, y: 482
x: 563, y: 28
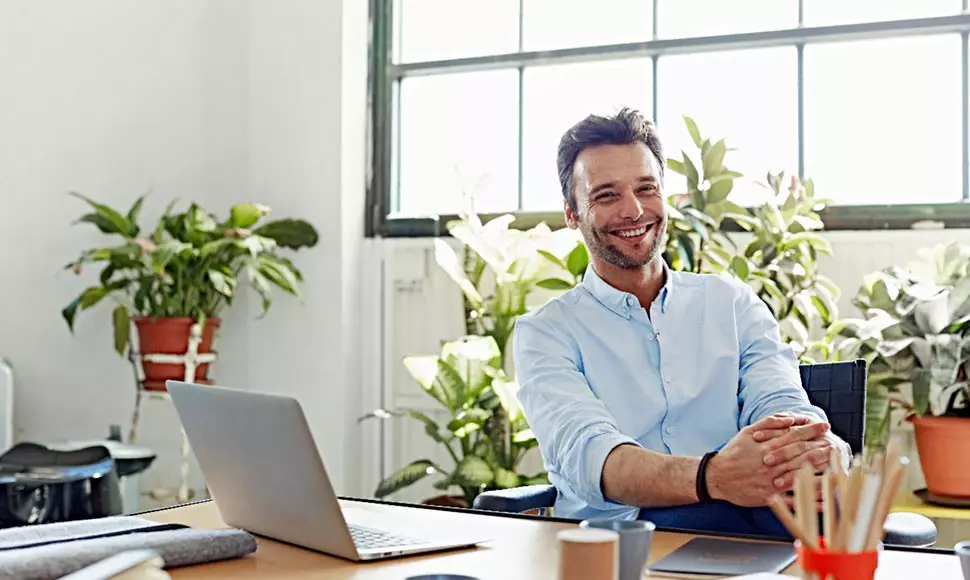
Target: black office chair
x: 837, y: 388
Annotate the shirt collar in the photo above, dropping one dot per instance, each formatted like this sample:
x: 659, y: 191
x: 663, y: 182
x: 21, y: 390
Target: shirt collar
x: 623, y: 303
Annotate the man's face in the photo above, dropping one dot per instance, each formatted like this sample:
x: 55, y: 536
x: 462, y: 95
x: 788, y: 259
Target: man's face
x: 619, y: 204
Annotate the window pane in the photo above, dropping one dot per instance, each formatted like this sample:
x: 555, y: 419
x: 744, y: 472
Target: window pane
x: 459, y: 132
x: 557, y: 97
x: 551, y: 24
x: 746, y: 97
x: 445, y: 29
x: 890, y: 134
x: 822, y: 12
x: 688, y: 18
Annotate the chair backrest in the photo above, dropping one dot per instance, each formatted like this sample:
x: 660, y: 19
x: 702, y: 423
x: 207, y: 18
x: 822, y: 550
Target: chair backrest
x: 839, y: 389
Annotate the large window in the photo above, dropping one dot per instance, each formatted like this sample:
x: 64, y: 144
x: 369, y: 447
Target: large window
x: 869, y: 98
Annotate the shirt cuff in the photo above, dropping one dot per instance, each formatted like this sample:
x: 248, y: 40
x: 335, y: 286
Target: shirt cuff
x: 597, y: 449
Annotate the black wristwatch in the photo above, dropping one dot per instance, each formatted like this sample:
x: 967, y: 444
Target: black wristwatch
x: 703, y: 494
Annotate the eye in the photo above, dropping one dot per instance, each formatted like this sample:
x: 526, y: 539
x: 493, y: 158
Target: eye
x: 649, y: 188
x: 605, y: 196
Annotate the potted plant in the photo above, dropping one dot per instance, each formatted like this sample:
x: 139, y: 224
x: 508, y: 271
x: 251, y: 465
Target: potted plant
x: 916, y: 335
x: 182, y: 272
x: 467, y: 381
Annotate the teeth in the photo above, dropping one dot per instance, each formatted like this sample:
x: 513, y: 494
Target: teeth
x: 633, y: 233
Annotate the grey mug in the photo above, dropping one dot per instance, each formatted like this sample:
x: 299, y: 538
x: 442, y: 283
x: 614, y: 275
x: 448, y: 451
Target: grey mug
x: 635, y: 539
x: 962, y: 550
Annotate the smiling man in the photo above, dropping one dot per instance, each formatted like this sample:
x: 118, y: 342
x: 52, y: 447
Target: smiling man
x: 656, y: 394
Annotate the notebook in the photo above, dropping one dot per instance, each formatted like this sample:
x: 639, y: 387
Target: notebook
x: 715, y: 557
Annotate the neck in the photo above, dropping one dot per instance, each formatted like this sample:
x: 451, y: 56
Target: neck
x: 644, y: 282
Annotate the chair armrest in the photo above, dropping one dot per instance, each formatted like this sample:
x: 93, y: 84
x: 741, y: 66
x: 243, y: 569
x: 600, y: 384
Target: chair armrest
x: 517, y: 499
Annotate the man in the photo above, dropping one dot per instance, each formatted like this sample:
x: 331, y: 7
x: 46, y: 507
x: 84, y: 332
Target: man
x: 647, y: 388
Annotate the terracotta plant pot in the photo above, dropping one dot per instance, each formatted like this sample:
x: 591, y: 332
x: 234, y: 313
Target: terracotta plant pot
x: 447, y: 501
x: 171, y: 336
x: 944, y: 453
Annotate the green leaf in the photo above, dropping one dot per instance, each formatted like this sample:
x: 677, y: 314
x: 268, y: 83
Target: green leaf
x: 507, y: 393
x: 261, y: 286
x: 225, y: 285
x: 524, y: 437
x: 279, y: 274
x: 505, y: 479
x: 538, y: 479
x: 289, y: 233
x: 465, y: 418
x: 822, y: 309
x: 552, y: 258
x: 449, y: 382
x: 474, y: 471
x: 244, y: 215
x: 134, y: 213
x: 407, y: 475
x: 165, y: 252
x: 812, y: 239
x: 714, y: 161
x: 160, y: 228
x: 104, y: 224
x: 692, y: 177
x: 695, y: 133
x: 676, y: 166
x: 69, y: 313
x: 554, y: 284
x: 122, y: 328
x: 739, y: 265
x: 719, y: 190
x: 92, y: 296
x: 110, y: 221
x: 685, y: 250
x: 578, y: 260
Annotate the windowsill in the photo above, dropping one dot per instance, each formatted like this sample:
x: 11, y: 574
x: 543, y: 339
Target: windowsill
x: 836, y: 218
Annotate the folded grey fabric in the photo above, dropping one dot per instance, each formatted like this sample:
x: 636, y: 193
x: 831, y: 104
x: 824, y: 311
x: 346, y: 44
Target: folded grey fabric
x: 48, y: 552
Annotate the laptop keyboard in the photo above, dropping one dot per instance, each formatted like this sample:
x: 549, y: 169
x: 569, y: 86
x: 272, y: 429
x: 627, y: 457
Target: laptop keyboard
x: 366, y: 538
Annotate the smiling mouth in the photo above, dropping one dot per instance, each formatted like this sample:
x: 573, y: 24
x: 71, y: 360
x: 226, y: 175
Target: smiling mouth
x: 632, y: 235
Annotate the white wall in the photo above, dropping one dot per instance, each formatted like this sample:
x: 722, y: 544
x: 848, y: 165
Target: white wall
x: 218, y: 101
x: 423, y: 307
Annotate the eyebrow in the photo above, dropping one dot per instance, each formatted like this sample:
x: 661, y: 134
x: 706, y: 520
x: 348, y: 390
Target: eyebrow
x: 612, y: 184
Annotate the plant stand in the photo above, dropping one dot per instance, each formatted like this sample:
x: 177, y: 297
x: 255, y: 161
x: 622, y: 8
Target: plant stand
x: 190, y: 360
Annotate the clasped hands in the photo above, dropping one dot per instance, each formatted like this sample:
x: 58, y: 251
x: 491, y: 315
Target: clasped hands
x: 762, y: 459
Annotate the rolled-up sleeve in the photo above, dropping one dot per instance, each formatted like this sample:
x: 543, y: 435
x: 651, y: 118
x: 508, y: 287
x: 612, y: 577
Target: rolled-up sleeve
x: 574, y: 429
x: 770, y: 382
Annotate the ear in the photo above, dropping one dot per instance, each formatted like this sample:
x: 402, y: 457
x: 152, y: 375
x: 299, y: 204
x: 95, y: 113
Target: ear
x: 570, y: 215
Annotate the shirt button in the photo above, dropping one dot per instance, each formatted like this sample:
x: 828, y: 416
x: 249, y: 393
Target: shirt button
x: 669, y: 430
x: 631, y: 301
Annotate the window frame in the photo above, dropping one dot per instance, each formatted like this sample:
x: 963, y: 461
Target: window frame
x: 385, y: 76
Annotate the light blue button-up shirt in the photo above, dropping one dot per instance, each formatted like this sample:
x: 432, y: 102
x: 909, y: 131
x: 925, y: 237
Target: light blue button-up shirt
x: 596, y: 372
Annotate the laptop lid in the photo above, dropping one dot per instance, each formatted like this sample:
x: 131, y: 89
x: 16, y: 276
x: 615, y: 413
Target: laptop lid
x: 262, y: 466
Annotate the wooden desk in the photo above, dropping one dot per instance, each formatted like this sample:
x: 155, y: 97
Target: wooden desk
x: 910, y: 502
x: 523, y: 549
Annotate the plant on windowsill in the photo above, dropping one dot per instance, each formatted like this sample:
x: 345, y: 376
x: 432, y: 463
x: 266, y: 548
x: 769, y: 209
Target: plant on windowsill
x: 185, y: 271
x: 915, y: 335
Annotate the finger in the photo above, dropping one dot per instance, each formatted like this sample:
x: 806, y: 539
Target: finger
x: 808, y: 432
x: 813, y: 456
x: 771, y: 422
x: 794, y: 450
x: 798, y: 418
x: 768, y: 434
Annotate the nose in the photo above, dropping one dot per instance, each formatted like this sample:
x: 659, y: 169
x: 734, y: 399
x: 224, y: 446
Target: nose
x: 630, y: 206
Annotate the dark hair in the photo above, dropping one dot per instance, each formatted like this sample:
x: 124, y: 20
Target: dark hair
x: 625, y: 128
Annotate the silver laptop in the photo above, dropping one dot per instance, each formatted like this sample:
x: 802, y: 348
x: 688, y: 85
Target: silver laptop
x: 266, y: 476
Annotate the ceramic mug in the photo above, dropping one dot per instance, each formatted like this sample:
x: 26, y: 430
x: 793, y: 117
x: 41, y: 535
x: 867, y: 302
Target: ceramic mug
x: 635, y: 539
x: 962, y: 550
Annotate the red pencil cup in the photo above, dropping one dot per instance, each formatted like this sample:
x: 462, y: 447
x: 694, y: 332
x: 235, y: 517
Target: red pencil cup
x: 837, y: 565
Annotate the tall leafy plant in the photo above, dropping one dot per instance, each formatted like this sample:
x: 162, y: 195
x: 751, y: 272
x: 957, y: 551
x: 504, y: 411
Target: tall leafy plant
x: 188, y: 264
x: 466, y: 380
x: 774, y: 247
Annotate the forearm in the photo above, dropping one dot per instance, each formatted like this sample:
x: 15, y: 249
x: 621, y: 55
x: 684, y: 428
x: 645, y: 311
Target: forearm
x: 643, y: 478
